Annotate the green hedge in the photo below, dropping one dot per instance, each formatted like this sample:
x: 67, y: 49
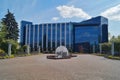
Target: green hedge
x: 117, y: 46
x: 106, y: 47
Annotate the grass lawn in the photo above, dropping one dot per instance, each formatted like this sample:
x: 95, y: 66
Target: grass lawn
x: 108, y: 56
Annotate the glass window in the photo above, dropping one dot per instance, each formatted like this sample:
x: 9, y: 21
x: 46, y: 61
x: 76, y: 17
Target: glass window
x: 67, y: 34
x: 40, y: 35
x: 86, y: 34
x: 63, y: 34
x: 58, y: 34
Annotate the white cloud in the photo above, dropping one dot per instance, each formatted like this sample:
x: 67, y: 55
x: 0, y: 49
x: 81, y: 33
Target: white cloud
x: 55, y: 18
x: 112, y: 13
x: 71, y: 11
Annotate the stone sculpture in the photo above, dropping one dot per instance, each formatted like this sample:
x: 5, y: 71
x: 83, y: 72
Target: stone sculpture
x: 61, y: 52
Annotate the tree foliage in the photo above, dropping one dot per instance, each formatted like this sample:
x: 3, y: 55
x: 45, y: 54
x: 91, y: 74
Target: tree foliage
x: 11, y: 26
x: 9, y: 33
x: 3, y: 32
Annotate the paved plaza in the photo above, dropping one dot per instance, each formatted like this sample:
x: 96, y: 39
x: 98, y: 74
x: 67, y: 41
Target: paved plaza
x: 82, y: 67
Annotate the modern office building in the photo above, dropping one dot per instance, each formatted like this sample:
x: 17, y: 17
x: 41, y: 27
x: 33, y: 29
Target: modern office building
x: 76, y: 36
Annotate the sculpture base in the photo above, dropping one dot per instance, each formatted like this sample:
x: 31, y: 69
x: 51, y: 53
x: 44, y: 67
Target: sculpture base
x: 55, y: 57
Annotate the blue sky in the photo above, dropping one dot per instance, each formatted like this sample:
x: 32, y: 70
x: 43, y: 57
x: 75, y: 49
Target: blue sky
x: 43, y: 11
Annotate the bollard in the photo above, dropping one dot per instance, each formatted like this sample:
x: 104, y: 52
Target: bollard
x: 100, y: 46
x: 93, y: 48
x: 112, y: 49
x: 28, y: 49
x: 39, y: 51
x: 9, y: 49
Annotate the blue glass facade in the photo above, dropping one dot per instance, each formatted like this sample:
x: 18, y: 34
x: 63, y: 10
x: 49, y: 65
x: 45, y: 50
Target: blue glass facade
x: 78, y: 37
x: 87, y: 35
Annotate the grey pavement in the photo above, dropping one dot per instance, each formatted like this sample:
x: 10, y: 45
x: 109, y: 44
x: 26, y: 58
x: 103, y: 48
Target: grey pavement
x: 82, y: 67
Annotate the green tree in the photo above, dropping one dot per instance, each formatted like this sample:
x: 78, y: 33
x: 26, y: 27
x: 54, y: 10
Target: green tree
x: 11, y: 26
x: 119, y: 37
x: 3, y: 32
x: 113, y: 38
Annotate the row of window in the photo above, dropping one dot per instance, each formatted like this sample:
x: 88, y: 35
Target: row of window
x: 54, y: 33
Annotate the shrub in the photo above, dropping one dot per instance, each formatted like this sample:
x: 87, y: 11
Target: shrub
x: 20, y: 49
x: 24, y: 47
x: 117, y: 46
x: 113, y: 57
x: 106, y: 48
x: 6, y: 56
x: 2, y: 52
x: 4, y: 46
x: 12, y: 56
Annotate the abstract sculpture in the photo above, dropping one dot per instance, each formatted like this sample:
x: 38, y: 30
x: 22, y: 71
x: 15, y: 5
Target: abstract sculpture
x: 61, y: 52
